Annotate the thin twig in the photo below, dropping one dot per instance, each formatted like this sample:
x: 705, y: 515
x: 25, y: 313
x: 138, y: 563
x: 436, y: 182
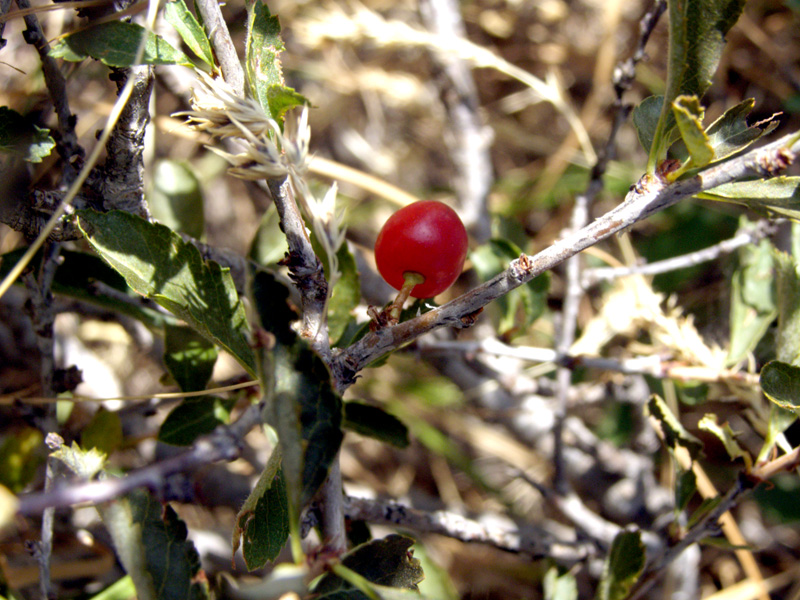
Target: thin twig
x: 491, y: 529
x: 305, y: 268
x: 749, y: 235
x: 224, y: 443
x: 648, y: 197
x: 708, y: 525
x: 57, y: 88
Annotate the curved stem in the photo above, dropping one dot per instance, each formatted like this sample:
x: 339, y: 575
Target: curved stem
x: 411, y: 279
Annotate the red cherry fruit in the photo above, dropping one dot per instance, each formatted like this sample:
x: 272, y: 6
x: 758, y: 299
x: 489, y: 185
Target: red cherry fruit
x: 426, y: 238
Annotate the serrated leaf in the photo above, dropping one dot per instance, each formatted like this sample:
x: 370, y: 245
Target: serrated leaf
x: 645, y: 119
x: 88, y: 278
x: 86, y: 464
x: 752, y: 298
x: 780, y: 382
x: 730, y: 133
x: 385, y: 562
x: 189, y: 357
x: 21, y: 453
x: 560, y: 586
x: 263, y: 47
x: 158, y: 264
x: 523, y: 305
x: 282, y: 99
x: 180, y: 17
x: 194, y: 417
x: 176, y: 199
x: 725, y: 434
x: 374, y: 422
x: 689, y: 117
x: 623, y: 566
x: 697, y: 30
x: 151, y: 542
x: 104, y: 432
x: 262, y: 525
x: 779, y: 195
x: 22, y: 138
x: 115, y: 44
x: 674, y: 432
x: 685, y: 488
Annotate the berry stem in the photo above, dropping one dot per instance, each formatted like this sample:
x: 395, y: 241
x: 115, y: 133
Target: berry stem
x: 411, y: 279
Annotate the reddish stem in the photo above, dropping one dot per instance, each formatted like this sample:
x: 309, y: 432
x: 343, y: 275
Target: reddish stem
x: 411, y: 279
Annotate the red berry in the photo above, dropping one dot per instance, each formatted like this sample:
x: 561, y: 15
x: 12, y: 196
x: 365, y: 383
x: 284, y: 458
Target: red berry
x: 427, y: 238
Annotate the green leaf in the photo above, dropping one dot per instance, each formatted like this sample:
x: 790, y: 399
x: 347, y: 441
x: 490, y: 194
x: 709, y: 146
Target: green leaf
x: 282, y: 99
x: 752, y: 298
x: 263, y: 47
x: 22, y: 138
x: 645, y: 119
x: 623, y: 566
x: 685, y: 488
x: 730, y: 133
x: 115, y: 44
x: 781, y: 384
x: 787, y: 276
x: 104, y: 432
x: 21, y: 453
x: 725, y: 434
x: 86, y: 464
x: 346, y: 294
x: 302, y: 406
x: 269, y: 245
x: 384, y: 562
x: 697, y: 30
x: 522, y: 306
x: 262, y: 525
x: 689, y: 117
x: 376, y: 423
x: 151, y: 543
x: 779, y: 195
x: 189, y: 357
x: 560, y: 586
x: 194, y: 417
x: 178, y: 15
x: 88, y: 278
x: 674, y: 432
x: 176, y: 199
x: 158, y: 264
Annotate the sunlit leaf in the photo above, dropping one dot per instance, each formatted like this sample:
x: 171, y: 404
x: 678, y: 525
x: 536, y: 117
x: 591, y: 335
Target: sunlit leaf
x: 21, y: 453
x: 115, y: 43
x: 689, y: 116
x: 178, y: 15
x: 731, y: 133
x: 778, y: 195
x: 104, y: 432
x: 725, y: 434
x: 560, y: 586
x: 20, y: 137
x: 675, y: 433
x: 158, y: 264
x: 697, y: 30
